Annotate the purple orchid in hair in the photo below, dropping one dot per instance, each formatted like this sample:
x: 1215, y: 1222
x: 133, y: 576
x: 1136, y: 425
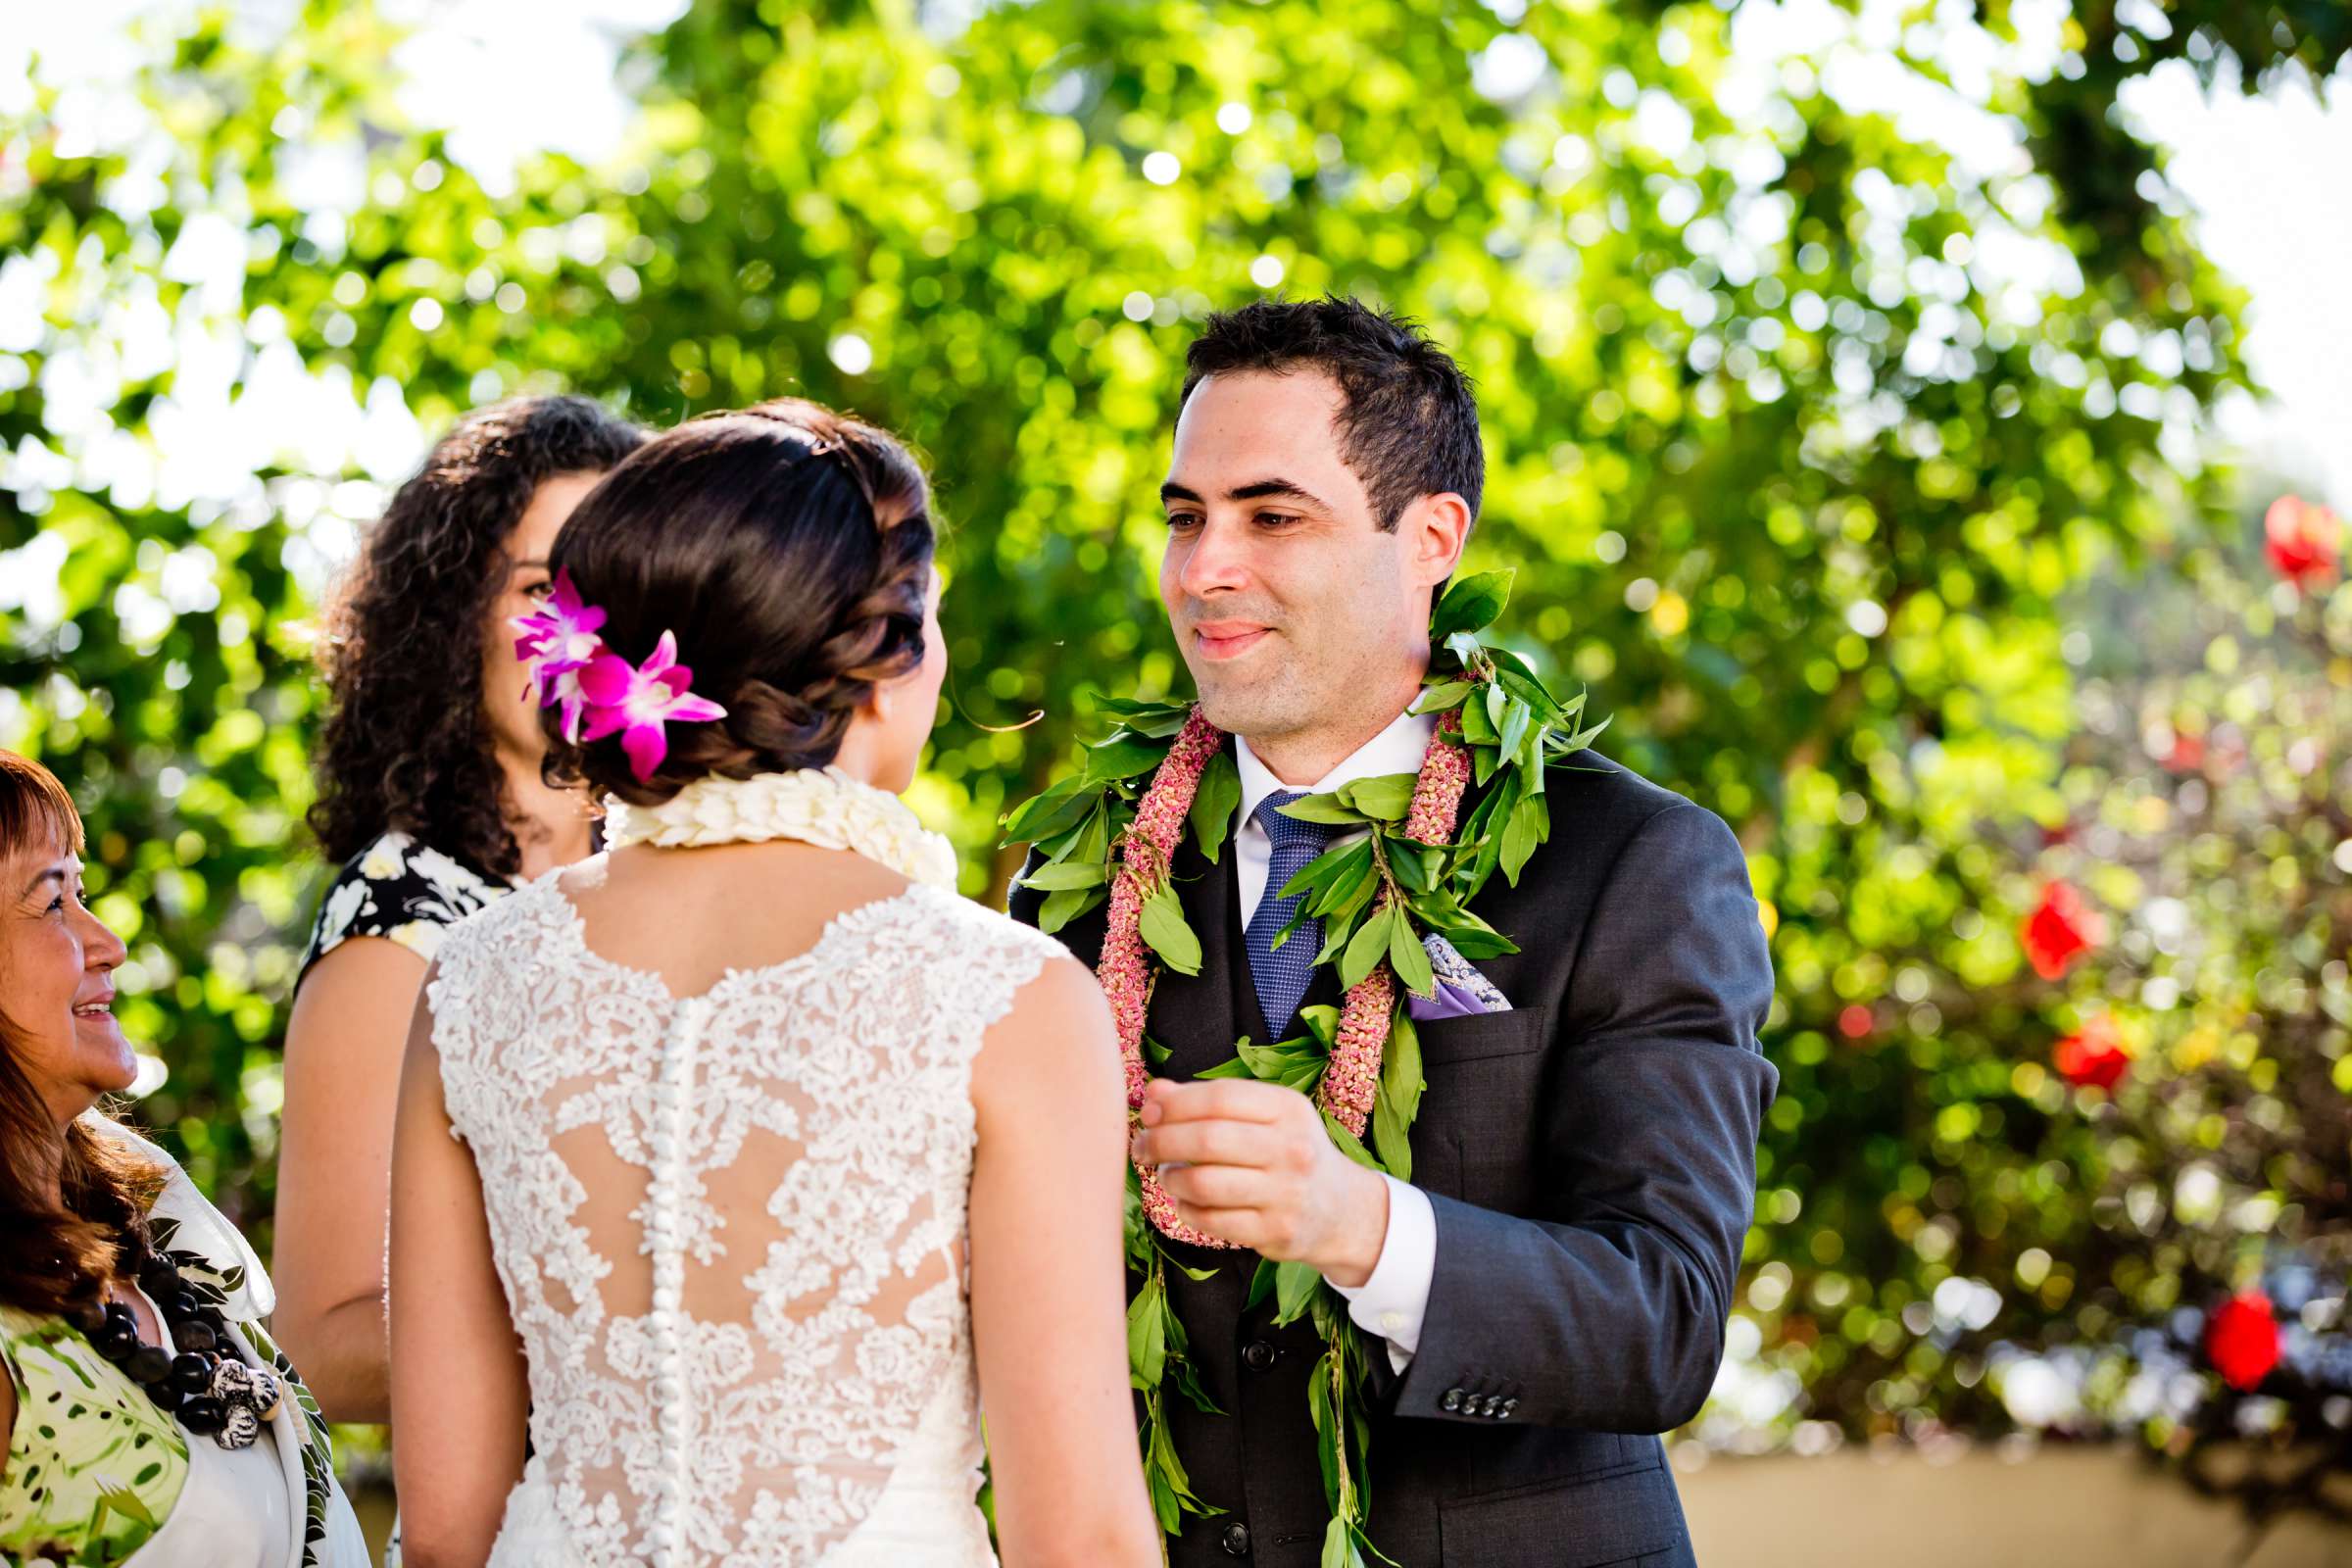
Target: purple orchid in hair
x: 557, y: 641
x: 638, y: 699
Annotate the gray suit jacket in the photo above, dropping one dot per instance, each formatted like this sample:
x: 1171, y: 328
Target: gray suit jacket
x: 1590, y: 1158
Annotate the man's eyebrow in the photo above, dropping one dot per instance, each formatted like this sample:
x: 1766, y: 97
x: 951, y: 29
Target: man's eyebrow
x: 1275, y: 487
x: 1257, y: 490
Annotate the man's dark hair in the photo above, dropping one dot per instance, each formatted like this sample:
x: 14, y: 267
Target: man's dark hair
x: 1408, y: 423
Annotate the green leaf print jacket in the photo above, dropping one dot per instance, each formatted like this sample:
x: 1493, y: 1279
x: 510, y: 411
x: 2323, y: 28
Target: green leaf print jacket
x: 95, y: 1469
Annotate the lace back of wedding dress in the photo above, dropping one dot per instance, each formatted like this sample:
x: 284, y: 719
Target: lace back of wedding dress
x: 729, y: 1229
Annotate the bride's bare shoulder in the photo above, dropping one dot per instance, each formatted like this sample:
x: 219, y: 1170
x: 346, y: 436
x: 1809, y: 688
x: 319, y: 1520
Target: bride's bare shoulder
x: 1059, y: 1020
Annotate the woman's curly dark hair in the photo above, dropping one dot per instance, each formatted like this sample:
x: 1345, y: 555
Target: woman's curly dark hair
x: 788, y: 548
x: 406, y: 744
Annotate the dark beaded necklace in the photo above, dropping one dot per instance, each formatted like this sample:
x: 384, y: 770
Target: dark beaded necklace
x: 202, y: 1383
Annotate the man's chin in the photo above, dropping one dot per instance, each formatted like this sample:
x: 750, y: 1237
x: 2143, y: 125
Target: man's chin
x: 1244, y: 696
x: 1253, y: 707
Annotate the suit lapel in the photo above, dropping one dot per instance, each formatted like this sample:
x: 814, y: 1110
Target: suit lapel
x: 1194, y: 1016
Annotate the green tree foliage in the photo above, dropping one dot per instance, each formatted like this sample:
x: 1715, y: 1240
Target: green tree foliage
x: 1804, y: 419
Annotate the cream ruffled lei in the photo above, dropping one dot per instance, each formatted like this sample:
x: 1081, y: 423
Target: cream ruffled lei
x: 827, y: 809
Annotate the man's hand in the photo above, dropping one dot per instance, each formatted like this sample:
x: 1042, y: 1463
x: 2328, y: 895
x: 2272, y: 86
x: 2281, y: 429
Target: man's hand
x: 1251, y: 1164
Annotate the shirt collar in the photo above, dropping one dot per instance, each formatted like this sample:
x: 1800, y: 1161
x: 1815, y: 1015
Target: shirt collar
x: 1397, y: 748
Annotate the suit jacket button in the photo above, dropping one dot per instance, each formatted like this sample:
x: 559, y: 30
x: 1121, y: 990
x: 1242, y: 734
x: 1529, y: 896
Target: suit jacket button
x: 1236, y: 1541
x: 1451, y: 1402
x: 1258, y: 1355
x: 1508, y: 1405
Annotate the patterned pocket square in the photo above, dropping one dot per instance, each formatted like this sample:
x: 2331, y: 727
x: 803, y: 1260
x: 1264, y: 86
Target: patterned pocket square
x: 1462, y: 990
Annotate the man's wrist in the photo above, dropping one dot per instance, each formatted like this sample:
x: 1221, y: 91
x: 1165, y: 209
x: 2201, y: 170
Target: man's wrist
x: 1362, y: 1232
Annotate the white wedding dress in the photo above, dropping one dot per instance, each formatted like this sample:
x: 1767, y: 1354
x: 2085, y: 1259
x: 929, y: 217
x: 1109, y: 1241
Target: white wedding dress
x: 730, y: 1227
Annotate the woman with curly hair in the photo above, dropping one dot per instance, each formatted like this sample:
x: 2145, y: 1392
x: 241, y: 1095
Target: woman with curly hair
x: 430, y: 798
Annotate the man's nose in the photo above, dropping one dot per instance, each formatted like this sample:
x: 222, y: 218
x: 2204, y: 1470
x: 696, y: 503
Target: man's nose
x: 1216, y: 557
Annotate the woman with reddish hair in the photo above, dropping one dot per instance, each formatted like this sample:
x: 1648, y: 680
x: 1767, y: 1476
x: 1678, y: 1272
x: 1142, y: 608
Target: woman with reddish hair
x: 151, y: 1419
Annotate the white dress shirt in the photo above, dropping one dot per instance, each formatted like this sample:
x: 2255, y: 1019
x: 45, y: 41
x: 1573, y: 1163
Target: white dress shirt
x: 1393, y: 1301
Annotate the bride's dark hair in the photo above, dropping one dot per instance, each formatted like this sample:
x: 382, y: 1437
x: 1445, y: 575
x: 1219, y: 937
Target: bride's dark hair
x: 789, y: 550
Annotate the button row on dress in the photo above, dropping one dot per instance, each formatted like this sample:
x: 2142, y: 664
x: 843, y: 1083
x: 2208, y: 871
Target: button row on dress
x: 667, y: 1134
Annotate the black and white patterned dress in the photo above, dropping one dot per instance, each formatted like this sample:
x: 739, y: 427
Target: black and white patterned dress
x: 402, y: 890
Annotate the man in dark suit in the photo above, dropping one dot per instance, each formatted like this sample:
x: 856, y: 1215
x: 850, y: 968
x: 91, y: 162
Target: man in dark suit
x: 1553, y: 1284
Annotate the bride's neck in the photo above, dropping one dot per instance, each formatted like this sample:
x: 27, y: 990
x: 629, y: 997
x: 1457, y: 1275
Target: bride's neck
x: 860, y: 759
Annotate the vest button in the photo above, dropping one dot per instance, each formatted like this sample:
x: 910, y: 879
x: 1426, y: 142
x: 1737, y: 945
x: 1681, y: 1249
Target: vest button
x: 1258, y: 1355
x: 1236, y: 1541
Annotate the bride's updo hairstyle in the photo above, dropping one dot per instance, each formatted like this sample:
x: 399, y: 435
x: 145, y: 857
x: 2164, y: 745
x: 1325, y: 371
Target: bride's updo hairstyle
x: 789, y: 549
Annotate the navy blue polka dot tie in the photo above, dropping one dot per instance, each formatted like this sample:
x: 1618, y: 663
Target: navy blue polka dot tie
x: 1283, y: 974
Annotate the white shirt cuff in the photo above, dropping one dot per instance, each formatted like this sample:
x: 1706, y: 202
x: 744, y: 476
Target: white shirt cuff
x: 1395, y: 1300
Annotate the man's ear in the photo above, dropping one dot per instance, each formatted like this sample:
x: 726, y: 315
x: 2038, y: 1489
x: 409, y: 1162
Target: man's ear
x: 1435, y: 529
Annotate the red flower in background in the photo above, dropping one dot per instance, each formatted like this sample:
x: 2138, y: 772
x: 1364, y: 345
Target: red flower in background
x: 2242, y: 1339
x: 2187, y: 755
x: 2303, y: 540
x: 2094, y: 1056
x: 2060, y: 929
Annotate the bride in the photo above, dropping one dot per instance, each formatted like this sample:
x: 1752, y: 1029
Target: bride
x: 739, y: 1166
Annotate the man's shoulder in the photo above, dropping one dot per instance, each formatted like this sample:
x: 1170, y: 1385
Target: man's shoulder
x: 1598, y: 807
x: 1600, y: 793
x: 1606, y: 781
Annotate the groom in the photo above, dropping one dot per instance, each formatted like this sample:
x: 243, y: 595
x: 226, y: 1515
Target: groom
x: 1552, y: 1287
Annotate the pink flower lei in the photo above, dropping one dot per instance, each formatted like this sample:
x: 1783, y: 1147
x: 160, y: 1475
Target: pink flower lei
x: 1127, y: 970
